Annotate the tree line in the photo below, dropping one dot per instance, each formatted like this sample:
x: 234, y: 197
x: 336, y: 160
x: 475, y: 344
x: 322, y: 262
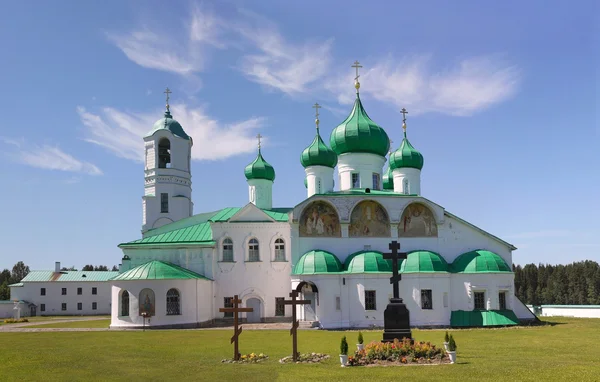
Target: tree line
x: 20, y: 270
x: 577, y: 283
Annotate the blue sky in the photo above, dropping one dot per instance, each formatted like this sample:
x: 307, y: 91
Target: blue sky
x: 501, y: 99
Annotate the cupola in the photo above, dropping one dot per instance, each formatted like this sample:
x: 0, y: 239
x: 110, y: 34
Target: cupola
x: 406, y: 164
x: 318, y: 161
x: 260, y: 176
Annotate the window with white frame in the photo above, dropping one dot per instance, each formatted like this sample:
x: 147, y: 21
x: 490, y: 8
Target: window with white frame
x: 426, y: 299
x: 355, y: 180
x: 370, y: 300
x: 502, y: 300
x: 253, y: 254
x: 375, y: 181
x: 228, y: 250
x: 279, y: 250
x: 173, y: 303
x: 479, y: 298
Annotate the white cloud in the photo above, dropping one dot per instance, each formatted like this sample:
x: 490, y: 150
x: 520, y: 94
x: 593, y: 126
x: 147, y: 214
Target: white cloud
x: 49, y: 158
x: 121, y: 132
x: 473, y: 84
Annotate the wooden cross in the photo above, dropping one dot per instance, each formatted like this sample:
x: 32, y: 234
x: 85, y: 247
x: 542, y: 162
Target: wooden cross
x: 259, y: 137
x: 167, y: 92
x: 236, y: 331
x: 395, y: 256
x: 294, y: 330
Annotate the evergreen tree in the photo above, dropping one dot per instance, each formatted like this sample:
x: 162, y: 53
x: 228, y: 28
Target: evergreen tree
x: 19, y: 271
x: 4, y: 291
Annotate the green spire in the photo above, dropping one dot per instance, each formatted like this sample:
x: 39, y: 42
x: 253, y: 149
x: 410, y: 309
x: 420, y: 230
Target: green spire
x: 318, y: 154
x: 260, y: 168
x: 406, y: 156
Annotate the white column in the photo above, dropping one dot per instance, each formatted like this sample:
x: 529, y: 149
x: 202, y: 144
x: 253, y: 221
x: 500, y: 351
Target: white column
x: 407, y: 181
x: 319, y: 180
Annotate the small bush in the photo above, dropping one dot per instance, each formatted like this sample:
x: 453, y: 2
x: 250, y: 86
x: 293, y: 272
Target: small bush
x: 446, y: 337
x: 451, y: 344
x: 405, y: 351
x: 13, y: 321
x: 360, y: 338
x: 344, y: 346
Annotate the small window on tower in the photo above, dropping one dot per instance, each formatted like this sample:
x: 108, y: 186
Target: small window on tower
x: 164, y: 153
x: 375, y: 181
x: 318, y: 186
x: 405, y: 187
x: 355, y: 180
x: 164, y: 203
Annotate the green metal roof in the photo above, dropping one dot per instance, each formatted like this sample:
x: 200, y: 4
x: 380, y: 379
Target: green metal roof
x: 406, y: 156
x: 317, y: 261
x: 479, y: 261
x: 388, y: 180
x: 359, y: 134
x: 473, y: 318
x: 158, y: 270
x: 199, y: 233
x: 367, y: 261
x: 16, y: 285
x: 68, y: 276
x: 168, y: 123
x: 318, y: 154
x: 260, y: 169
x: 423, y: 262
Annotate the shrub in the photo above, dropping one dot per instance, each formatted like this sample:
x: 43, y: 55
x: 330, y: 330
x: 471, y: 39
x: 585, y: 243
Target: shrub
x: 344, y: 346
x: 404, y: 351
x: 451, y: 344
x: 13, y: 321
x: 360, y: 338
x: 446, y: 338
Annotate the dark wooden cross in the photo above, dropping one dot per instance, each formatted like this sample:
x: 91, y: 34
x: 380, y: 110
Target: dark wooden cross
x: 294, y: 331
x: 236, y: 331
x: 395, y: 256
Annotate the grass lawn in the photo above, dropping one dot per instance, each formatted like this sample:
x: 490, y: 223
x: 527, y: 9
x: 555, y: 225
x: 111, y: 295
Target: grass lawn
x: 567, y: 350
x: 56, y: 318
x: 103, y: 323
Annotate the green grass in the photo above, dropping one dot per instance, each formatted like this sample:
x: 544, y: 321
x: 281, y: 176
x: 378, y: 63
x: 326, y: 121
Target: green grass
x: 104, y: 323
x: 54, y: 318
x: 568, y: 350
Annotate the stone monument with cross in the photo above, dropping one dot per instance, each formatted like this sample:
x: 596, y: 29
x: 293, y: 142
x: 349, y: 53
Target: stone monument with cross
x: 294, y: 330
x: 396, y: 318
x: 237, y: 330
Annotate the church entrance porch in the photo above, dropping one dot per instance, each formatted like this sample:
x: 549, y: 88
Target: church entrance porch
x: 310, y: 292
x: 256, y: 305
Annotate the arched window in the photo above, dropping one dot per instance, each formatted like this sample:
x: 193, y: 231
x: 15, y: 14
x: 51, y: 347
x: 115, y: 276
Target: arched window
x: 228, y: 250
x: 147, y: 302
x: 253, y: 250
x: 279, y: 250
x: 125, y: 304
x: 173, y: 303
x: 405, y: 187
x: 164, y: 153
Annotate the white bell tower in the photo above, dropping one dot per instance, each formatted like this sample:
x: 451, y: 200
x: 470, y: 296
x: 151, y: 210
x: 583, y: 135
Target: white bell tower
x: 168, y: 179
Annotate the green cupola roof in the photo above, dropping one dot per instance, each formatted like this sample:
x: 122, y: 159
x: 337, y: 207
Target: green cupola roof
x: 359, y: 134
x: 158, y: 270
x: 318, y: 154
x: 388, y: 179
x: 260, y: 169
x: 423, y: 262
x: 406, y: 156
x: 168, y: 123
x: 366, y: 262
x: 317, y: 261
x: 480, y: 261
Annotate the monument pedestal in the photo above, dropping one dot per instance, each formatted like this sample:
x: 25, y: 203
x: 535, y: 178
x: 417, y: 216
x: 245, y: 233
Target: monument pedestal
x: 396, y: 321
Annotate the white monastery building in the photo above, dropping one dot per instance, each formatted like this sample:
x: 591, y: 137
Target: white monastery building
x: 329, y: 246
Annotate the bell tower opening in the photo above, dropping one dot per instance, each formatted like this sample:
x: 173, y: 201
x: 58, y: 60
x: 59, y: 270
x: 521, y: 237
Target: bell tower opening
x: 164, y: 153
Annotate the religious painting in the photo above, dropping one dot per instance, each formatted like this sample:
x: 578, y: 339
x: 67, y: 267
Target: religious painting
x: 320, y: 219
x: 369, y: 219
x: 417, y: 221
x: 147, y: 302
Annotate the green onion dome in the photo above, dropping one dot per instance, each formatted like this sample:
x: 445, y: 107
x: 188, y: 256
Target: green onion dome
x: 260, y: 169
x: 406, y: 156
x: 423, y: 262
x: 317, y: 261
x: 388, y: 179
x: 367, y: 261
x: 168, y: 123
x: 480, y: 261
x: 359, y: 134
x: 318, y: 154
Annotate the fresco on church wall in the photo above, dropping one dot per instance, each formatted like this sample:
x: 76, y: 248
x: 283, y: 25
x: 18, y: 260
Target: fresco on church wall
x: 320, y: 219
x: 147, y: 302
x: 369, y: 219
x: 417, y: 221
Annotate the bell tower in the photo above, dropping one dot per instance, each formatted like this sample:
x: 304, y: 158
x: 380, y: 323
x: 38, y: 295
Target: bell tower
x: 168, y: 179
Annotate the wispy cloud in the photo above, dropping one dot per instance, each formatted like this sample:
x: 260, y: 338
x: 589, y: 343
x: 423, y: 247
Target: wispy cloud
x: 473, y: 84
x: 121, y: 132
x: 48, y: 157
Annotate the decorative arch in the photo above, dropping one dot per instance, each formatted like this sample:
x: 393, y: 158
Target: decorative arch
x: 173, y: 302
x: 417, y: 220
x: 124, y: 306
x: 320, y: 219
x: 369, y: 219
x: 147, y: 302
x: 311, y: 284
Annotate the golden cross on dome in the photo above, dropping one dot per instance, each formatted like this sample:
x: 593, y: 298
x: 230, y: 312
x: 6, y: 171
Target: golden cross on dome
x: 404, y: 112
x: 356, y: 83
x: 259, y: 137
x: 167, y: 92
x: 316, y: 106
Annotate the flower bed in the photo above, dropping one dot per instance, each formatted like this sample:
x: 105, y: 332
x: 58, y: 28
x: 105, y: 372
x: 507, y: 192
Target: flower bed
x: 398, y: 353
x: 13, y: 321
x: 248, y: 358
x: 306, y: 358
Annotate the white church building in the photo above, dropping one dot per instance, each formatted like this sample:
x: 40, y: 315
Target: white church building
x: 329, y: 246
